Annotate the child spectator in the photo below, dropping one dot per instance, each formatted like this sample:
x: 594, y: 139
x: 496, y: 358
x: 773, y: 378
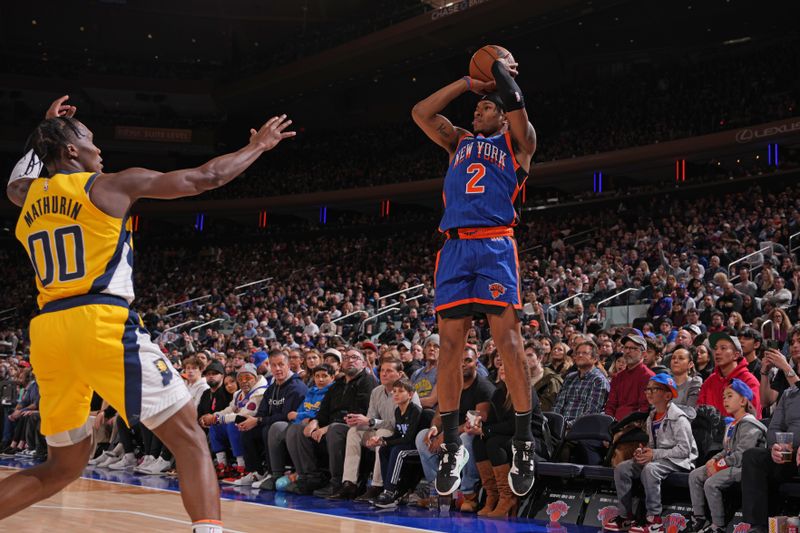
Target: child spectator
x: 670, y: 448
x: 394, y: 449
x: 725, y: 468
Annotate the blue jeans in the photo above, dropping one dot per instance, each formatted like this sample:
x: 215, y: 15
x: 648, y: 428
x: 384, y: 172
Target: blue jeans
x: 223, y: 434
x: 430, y: 462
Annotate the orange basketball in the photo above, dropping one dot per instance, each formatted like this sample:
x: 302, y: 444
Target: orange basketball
x: 480, y: 66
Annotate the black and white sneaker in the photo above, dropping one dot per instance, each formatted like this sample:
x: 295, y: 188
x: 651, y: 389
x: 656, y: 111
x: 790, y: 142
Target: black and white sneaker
x: 521, y: 475
x: 453, y: 458
x: 698, y: 524
x: 386, y: 500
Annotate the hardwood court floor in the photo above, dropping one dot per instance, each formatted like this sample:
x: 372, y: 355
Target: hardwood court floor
x: 89, y: 505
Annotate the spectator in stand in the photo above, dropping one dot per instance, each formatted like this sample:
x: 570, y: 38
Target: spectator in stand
x: 560, y: 361
x: 781, y: 325
x: 628, y: 387
x: 410, y: 365
x: 223, y: 431
x: 661, y: 306
x: 750, y: 339
x: 424, y: 379
x: 703, y: 361
x: 394, y: 449
x: 492, y: 449
x: 311, y: 361
x: 724, y: 469
x: 746, y: 287
x: 476, y: 395
x: 693, y: 319
x: 544, y: 380
x: 585, y: 391
x: 378, y: 422
x: 717, y: 322
x: 216, y: 397
x: 708, y: 310
x: 779, y: 296
x: 281, y: 398
x: 333, y: 358
x: 763, y: 469
x: 687, y: 383
x: 777, y: 373
x: 349, y: 395
x: 670, y: 448
x: 728, y: 364
x: 730, y: 301
x: 652, y: 356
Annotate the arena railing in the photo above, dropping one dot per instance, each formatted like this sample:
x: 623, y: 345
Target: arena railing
x: 753, y: 254
x: 348, y: 315
x: 795, y: 236
x: 562, y: 302
x: 614, y: 296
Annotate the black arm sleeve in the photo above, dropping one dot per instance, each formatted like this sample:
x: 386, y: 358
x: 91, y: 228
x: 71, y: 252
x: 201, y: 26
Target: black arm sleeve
x: 507, y: 88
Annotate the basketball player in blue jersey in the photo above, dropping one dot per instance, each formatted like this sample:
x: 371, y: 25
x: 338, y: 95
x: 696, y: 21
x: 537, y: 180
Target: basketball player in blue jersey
x: 477, y: 269
x: 76, y: 230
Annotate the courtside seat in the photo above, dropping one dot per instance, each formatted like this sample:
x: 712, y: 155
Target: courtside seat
x: 790, y: 489
x: 678, y: 480
x: 560, y: 470
x: 598, y: 473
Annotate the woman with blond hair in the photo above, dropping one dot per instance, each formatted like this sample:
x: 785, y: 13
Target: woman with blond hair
x: 560, y: 360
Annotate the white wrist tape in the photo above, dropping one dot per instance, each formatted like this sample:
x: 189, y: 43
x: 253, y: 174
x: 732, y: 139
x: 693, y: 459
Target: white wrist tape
x: 30, y: 166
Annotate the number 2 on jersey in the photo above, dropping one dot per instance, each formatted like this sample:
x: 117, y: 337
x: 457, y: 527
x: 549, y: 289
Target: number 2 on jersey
x: 69, y: 268
x: 478, y: 171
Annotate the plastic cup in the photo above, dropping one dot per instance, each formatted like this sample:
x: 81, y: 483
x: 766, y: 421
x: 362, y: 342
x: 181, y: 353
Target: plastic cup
x: 785, y: 441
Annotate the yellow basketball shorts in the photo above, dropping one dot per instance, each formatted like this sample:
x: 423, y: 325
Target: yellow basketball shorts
x: 97, y: 343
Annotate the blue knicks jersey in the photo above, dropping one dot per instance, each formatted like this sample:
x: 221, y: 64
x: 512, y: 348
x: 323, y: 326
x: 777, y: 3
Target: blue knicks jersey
x: 482, y: 183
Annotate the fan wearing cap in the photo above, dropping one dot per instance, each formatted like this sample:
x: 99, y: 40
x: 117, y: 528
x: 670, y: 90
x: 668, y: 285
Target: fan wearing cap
x: 627, y: 393
x: 724, y: 469
x: 670, y: 448
x: 728, y: 364
x: 223, y: 430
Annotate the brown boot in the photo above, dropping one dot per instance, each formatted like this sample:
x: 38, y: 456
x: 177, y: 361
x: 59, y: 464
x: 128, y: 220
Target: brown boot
x: 489, y: 486
x: 470, y: 503
x: 507, y: 506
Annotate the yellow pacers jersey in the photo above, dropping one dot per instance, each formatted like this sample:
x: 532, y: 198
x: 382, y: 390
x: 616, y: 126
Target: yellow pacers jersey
x: 74, y: 247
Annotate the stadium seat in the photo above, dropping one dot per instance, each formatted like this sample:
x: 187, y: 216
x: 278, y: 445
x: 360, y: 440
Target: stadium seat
x: 591, y: 427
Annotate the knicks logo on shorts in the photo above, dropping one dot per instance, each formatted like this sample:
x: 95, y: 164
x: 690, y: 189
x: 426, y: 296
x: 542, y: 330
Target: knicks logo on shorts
x: 497, y: 290
x: 163, y: 369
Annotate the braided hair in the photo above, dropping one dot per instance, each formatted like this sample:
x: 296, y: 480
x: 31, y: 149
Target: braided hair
x: 51, y: 136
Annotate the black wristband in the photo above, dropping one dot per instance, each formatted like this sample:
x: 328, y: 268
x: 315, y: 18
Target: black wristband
x: 507, y: 88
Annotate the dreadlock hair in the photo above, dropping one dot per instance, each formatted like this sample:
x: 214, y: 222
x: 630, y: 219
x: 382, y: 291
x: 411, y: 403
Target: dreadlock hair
x: 51, y: 136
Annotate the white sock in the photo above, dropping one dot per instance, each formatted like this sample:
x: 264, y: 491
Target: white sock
x: 221, y: 458
x: 207, y: 526
x: 240, y: 461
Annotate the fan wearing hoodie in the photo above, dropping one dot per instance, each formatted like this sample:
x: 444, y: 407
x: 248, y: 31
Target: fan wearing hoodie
x: 223, y: 430
x: 725, y: 468
x: 729, y: 364
x: 284, y: 396
x: 671, y: 448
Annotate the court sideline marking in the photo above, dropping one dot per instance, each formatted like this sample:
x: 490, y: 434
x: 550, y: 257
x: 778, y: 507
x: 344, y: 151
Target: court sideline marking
x: 262, y: 505
x: 124, y: 511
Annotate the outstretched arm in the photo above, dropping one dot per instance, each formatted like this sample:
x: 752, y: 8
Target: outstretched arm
x: 427, y: 112
x: 115, y: 193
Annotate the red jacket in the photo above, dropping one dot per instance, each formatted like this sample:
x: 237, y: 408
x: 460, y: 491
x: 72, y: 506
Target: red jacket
x: 711, y: 391
x: 627, y: 392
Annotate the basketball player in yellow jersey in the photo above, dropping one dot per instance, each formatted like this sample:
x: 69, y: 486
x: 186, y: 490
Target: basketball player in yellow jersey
x: 74, y: 226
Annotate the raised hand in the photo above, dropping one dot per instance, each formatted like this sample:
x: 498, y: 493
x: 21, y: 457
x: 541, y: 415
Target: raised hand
x: 271, y: 133
x: 59, y: 109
